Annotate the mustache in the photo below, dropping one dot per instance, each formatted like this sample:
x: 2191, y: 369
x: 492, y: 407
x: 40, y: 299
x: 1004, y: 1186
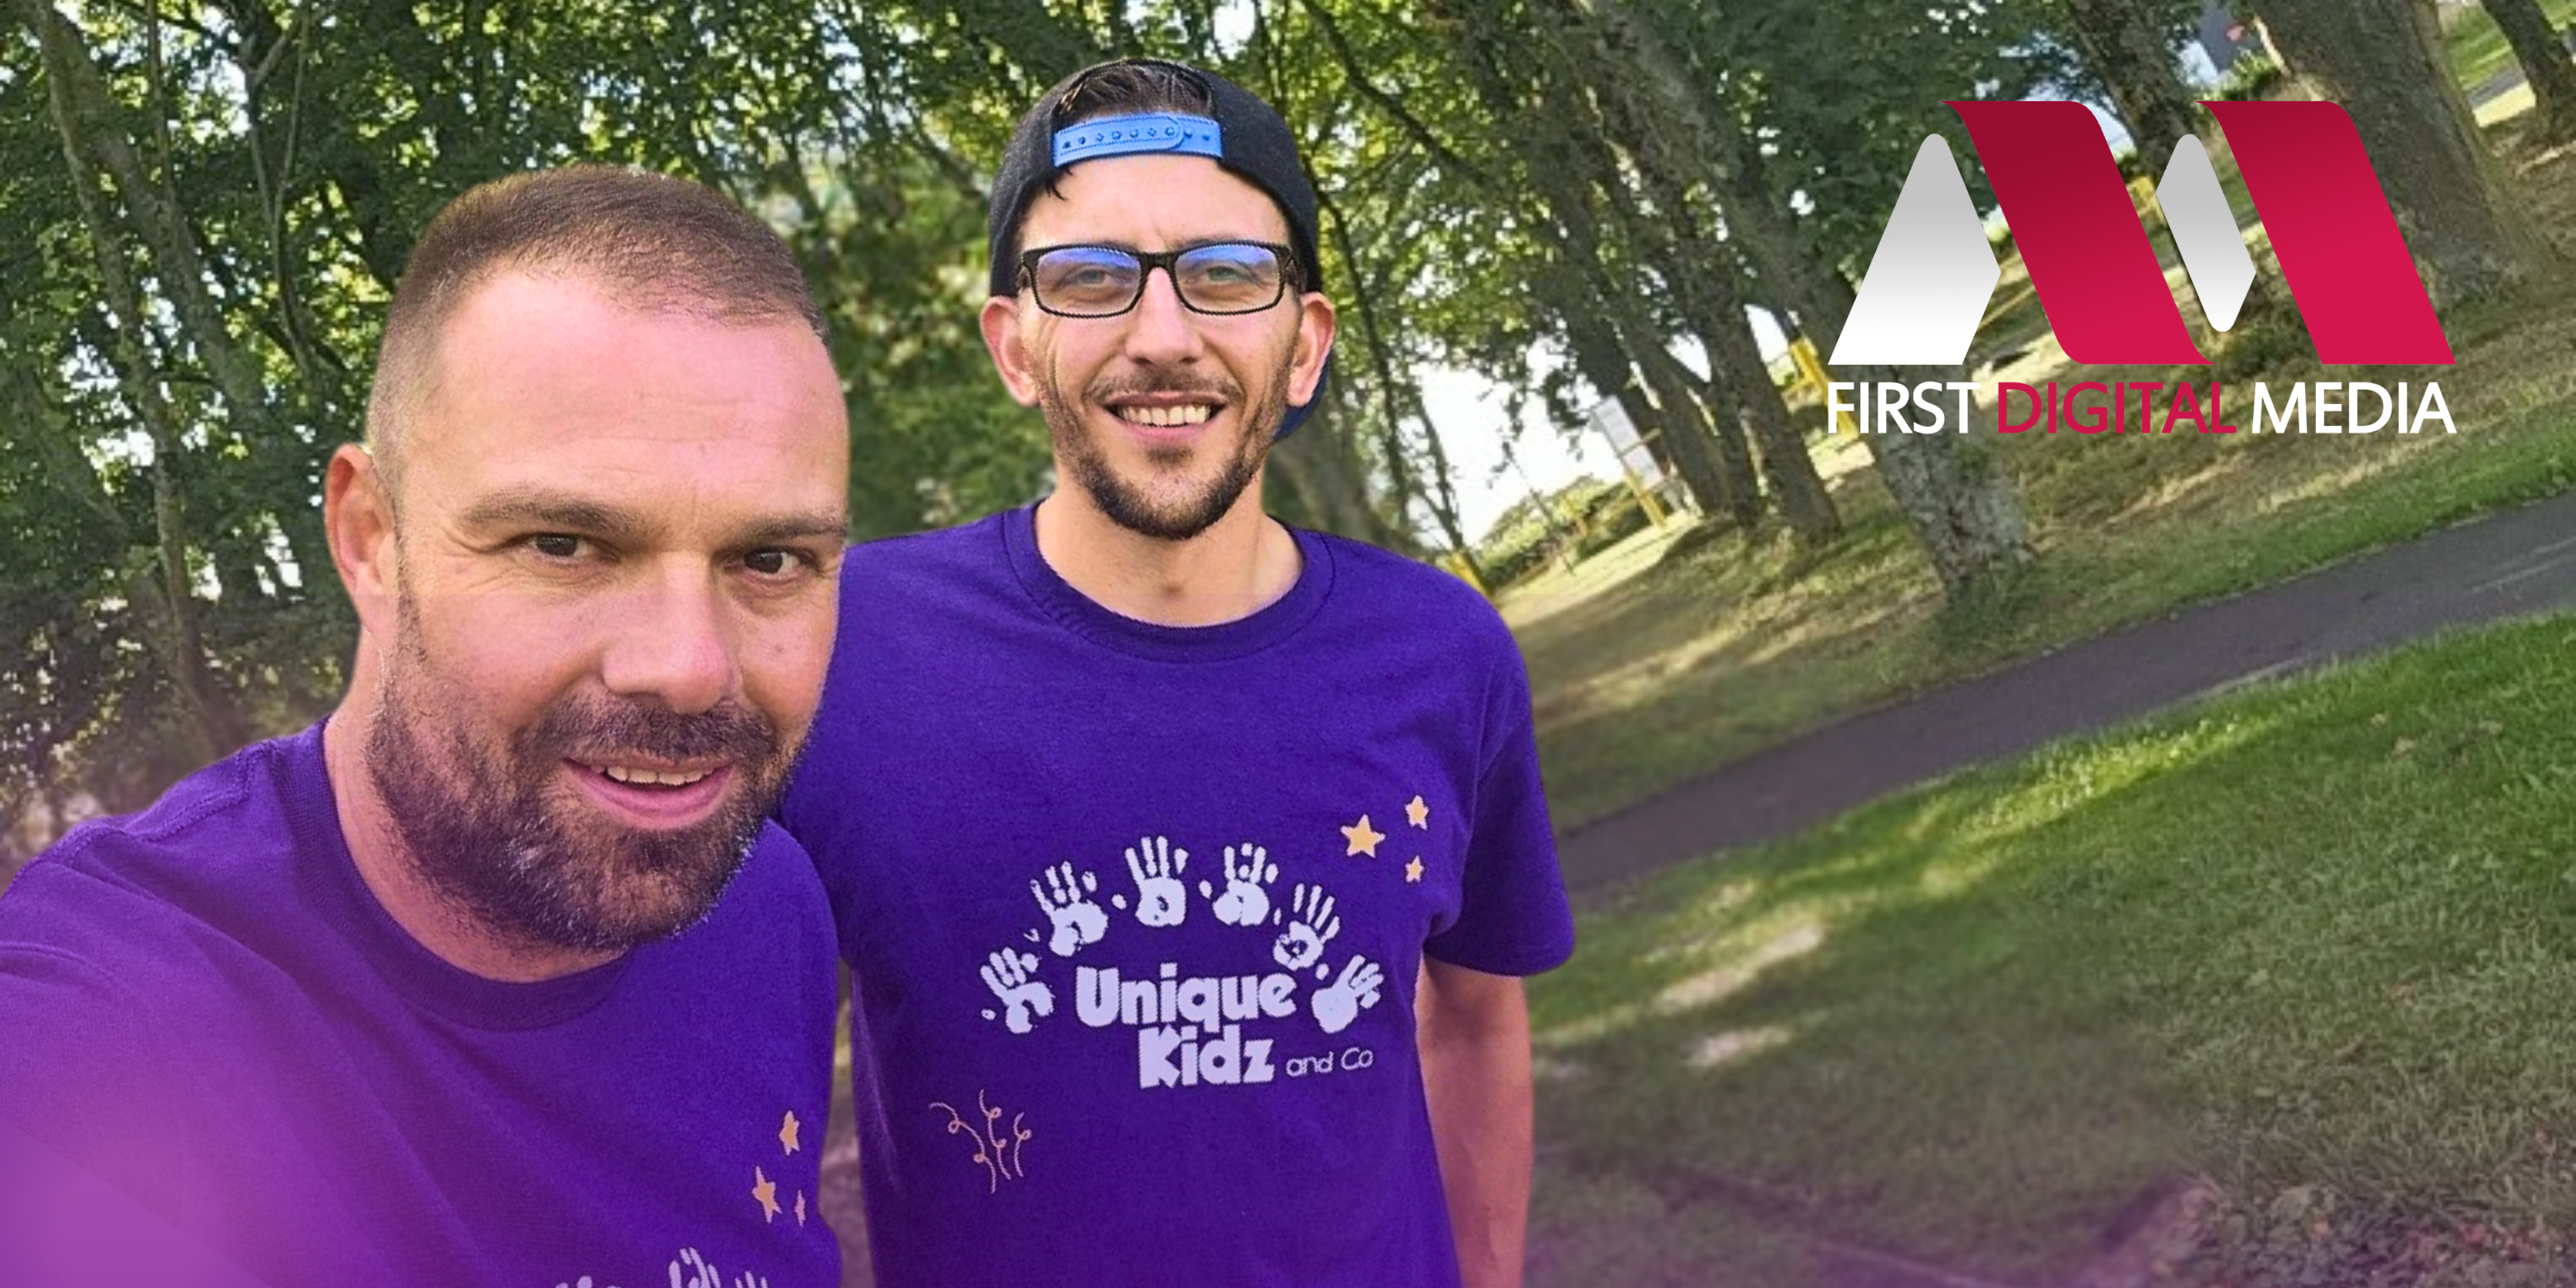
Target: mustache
x: 1218, y: 389
x: 598, y: 730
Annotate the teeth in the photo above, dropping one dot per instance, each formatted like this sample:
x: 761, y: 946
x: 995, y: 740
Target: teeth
x: 653, y: 778
x: 1186, y: 414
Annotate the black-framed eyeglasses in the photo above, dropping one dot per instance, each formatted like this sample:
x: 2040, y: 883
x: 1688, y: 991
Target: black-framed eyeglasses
x: 1105, y: 281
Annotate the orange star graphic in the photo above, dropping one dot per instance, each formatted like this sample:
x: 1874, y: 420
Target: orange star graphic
x: 1413, y: 870
x: 765, y: 1190
x: 1363, y: 839
x: 787, y: 1132
x: 800, y: 1207
x: 1418, y: 814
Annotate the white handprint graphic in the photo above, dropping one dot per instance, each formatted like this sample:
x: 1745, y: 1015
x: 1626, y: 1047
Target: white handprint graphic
x: 1078, y: 920
x: 1302, y: 944
x: 1009, y: 974
x: 1161, y: 900
x: 701, y: 1275
x: 1246, y: 901
x: 1355, y: 991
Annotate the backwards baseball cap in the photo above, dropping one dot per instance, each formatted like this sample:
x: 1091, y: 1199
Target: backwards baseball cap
x: 1238, y: 131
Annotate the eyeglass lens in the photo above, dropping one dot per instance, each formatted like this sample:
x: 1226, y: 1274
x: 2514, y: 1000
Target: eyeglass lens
x: 1099, y: 281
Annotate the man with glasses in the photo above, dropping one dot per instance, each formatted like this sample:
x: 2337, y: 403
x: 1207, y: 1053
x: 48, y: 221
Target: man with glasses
x: 1186, y: 863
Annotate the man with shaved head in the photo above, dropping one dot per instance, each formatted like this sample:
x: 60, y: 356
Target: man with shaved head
x: 497, y: 975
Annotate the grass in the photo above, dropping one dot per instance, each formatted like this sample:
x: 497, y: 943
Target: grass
x: 2315, y: 932
x: 2477, y: 49
x: 1721, y: 648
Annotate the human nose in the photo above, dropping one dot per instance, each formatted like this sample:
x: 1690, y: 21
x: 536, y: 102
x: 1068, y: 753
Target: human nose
x: 673, y: 644
x: 1161, y: 329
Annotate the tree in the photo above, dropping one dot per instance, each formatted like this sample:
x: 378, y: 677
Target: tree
x: 2381, y: 59
x: 2129, y: 45
x: 1961, y: 507
x: 2544, y: 60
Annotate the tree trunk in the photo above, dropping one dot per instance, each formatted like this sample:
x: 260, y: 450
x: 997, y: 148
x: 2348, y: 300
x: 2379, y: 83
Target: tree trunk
x: 1708, y: 444
x: 84, y: 110
x: 184, y: 645
x: 1787, y: 466
x: 2381, y: 59
x: 2544, y: 62
x: 1962, y: 509
x: 1735, y: 358
x: 1712, y: 458
x: 182, y: 642
x: 2129, y: 51
x: 1443, y: 497
x: 1705, y: 274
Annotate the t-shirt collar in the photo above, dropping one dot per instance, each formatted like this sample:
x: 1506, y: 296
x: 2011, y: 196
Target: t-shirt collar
x: 1088, y: 618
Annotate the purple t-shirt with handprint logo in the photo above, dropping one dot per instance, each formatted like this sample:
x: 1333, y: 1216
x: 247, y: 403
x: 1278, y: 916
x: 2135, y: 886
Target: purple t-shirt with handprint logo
x: 1135, y: 913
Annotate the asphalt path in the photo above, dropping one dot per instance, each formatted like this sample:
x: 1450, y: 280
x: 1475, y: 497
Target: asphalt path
x: 2516, y: 563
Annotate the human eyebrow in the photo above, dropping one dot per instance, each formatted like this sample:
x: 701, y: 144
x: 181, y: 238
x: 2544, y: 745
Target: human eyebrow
x: 778, y: 529
x: 545, y: 508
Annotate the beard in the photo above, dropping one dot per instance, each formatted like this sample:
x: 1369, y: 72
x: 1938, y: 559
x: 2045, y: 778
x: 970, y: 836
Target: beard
x: 502, y: 840
x: 1133, y: 503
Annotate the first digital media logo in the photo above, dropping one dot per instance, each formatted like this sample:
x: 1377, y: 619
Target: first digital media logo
x: 2105, y: 295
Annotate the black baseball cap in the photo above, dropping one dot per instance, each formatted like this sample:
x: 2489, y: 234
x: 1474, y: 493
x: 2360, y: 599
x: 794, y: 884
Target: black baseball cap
x: 1239, y: 132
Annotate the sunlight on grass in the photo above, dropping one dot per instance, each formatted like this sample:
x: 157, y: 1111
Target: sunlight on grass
x: 1725, y: 1048
x: 1680, y: 663
x: 2311, y: 933
x: 1709, y: 987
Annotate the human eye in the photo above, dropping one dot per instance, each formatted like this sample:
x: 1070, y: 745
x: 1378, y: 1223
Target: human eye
x: 782, y: 566
x: 774, y: 562
x: 557, y: 547
x: 1230, y: 276
x: 1086, y: 275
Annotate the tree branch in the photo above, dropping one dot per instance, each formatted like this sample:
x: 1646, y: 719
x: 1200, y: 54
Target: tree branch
x: 1387, y: 103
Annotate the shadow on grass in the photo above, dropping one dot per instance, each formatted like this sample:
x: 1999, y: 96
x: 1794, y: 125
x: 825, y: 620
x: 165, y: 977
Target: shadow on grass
x: 1707, y: 658
x: 2311, y: 934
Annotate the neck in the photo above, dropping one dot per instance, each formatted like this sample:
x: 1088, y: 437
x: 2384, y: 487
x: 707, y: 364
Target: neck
x: 393, y: 875
x: 1242, y: 564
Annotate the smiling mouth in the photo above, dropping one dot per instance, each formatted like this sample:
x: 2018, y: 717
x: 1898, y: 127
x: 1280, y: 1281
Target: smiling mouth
x: 1166, y: 417
x: 646, y: 776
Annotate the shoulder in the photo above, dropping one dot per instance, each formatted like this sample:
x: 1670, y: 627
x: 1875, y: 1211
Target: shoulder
x: 130, y: 888
x: 868, y: 564
x: 233, y: 814
x: 1435, y: 604
x: 78, y: 1011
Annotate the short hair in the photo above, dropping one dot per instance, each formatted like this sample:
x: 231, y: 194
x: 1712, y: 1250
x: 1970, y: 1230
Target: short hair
x: 1134, y: 86
x: 648, y: 241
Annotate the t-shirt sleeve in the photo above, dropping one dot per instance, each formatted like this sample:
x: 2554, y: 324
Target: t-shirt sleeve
x: 81, y: 1076
x: 819, y: 823
x: 1512, y: 914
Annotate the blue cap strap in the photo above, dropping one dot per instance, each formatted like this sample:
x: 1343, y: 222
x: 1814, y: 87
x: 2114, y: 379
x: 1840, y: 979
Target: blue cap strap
x: 1109, y: 136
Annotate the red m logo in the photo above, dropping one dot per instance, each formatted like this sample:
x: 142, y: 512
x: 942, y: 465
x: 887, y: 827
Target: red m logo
x: 2094, y: 270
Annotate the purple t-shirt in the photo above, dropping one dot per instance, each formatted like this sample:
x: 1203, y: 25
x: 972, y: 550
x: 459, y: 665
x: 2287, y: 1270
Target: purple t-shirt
x: 1135, y: 912
x: 206, y: 1007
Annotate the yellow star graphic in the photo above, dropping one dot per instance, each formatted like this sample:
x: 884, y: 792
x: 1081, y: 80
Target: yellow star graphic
x: 1363, y: 839
x: 787, y: 1132
x: 800, y: 1207
x: 1418, y: 813
x: 1413, y: 870
x: 765, y: 1190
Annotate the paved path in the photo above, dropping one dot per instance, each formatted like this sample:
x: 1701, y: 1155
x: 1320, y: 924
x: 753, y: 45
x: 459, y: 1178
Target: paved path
x: 2516, y: 563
